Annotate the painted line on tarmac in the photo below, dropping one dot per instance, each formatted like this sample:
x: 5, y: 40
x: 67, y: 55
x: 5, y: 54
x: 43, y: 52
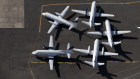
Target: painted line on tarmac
x: 132, y: 75
x: 31, y: 70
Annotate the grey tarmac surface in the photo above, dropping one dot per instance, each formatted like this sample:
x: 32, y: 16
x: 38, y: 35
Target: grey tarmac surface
x: 16, y: 45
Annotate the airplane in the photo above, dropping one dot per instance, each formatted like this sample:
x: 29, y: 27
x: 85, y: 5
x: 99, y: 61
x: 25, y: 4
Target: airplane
x: 50, y: 53
x: 59, y: 19
x: 95, y: 52
x: 92, y: 15
x: 109, y: 34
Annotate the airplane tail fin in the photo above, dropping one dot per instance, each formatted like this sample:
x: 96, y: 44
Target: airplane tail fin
x: 69, y: 49
x: 88, y: 23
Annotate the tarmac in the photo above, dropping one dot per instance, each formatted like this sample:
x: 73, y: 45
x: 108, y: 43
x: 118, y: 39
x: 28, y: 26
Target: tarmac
x: 16, y: 45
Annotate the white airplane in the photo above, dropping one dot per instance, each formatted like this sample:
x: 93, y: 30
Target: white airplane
x: 92, y: 15
x: 95, y: 54
x: 59, y: 20
x: 50, y: 53
x: 109, y: 34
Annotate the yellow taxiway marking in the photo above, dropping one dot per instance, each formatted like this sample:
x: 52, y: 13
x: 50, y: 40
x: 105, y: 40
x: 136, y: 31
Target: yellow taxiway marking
x: 124, y: 3
x: 31, y: 70
x: 79, y: 62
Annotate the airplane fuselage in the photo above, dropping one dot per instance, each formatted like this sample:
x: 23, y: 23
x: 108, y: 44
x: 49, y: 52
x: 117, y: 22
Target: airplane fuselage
x: 46, y: 53
x: 92, y: 14
x: 95, y: 53
x: 57, y: 19
x: 109, y: 33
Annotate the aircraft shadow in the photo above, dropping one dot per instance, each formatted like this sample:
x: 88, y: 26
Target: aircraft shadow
x: 80, y: 33
x: 58, y: 59
x: 119, y: 50
x: 104, y: 72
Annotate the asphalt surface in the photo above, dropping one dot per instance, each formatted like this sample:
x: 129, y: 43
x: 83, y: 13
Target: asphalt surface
x: 16, y: 45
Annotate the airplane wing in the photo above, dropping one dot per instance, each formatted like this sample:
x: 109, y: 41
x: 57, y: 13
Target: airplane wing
x: 106, y: 53
x: 51, y: 62
x: 103, y: 15
x: 120, y: 32
x: 52, y: 28
x: 98, y: 33
x: 51, y: 42
x: 54, y: 25
x: 64, y: 11
x: 81, y: 12
x: 82, y: 50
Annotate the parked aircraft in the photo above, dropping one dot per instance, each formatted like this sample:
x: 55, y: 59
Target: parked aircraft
x: 96, y: 49
x: 60, y: 20
x: 109, y: 34
x: 95, y: 52
x: 92, y: 15
x: 50, y: 53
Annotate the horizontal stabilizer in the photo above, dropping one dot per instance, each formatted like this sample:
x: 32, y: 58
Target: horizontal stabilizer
x: 89, y: 63
x: 83, y: 50
x: 95, y: 33
x: 71, y: 27
x: 76, y: 19
x: 57, y: 13
x: 81, y: 12
x: 50, y: 22
x: 107, y: 54
x: 104, y: 15
x: 120, y: 32
x: 110, y: 53
x: 118, y: 42
x: 102, y: 53
x: 88, y: 23
x: 100, y: 64
x: 106, y: 43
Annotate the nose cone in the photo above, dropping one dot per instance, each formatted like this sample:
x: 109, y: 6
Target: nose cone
x: 43, y: 14
x: 34, y: 52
